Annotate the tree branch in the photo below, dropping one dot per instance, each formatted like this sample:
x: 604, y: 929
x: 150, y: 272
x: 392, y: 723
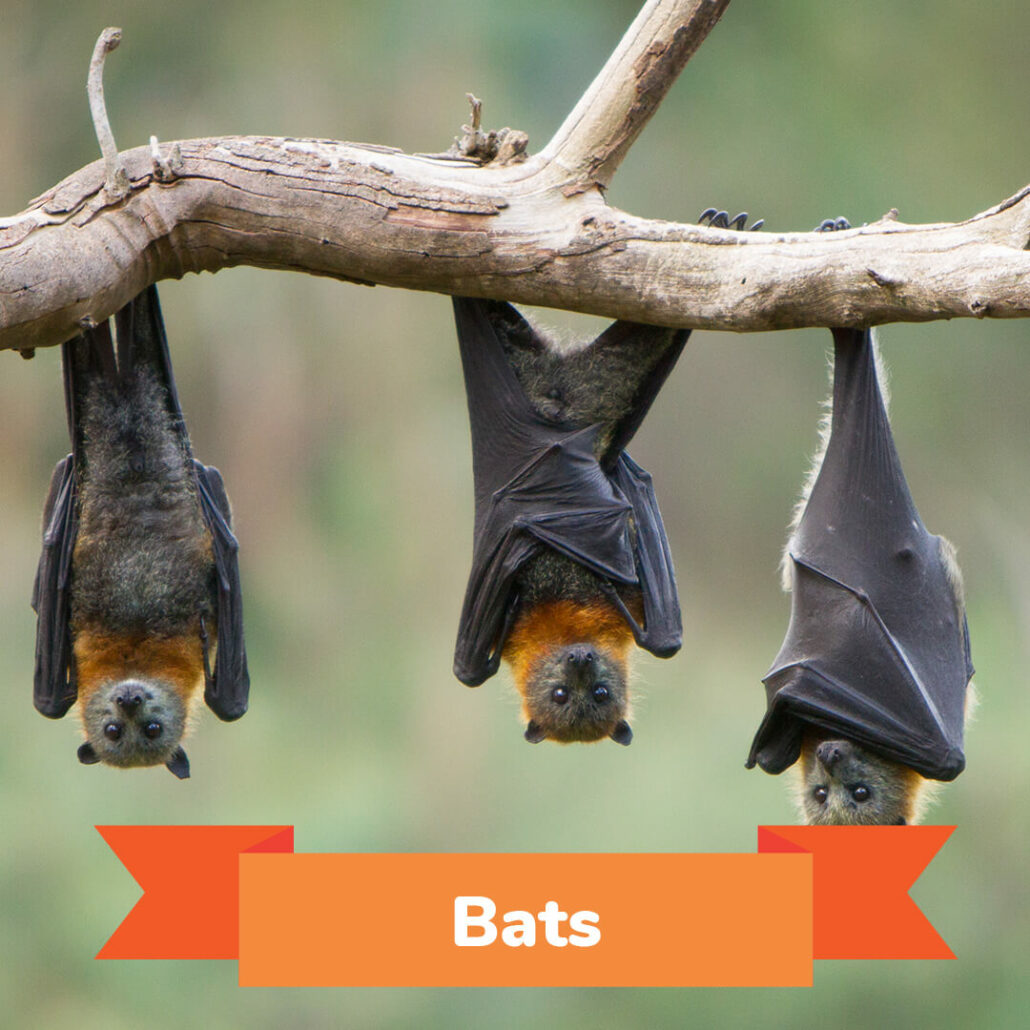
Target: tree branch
x: 536, y: 232
x: 597, y: 135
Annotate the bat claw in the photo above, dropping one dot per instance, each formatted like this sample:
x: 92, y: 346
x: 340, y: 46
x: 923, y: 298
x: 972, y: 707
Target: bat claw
x: 721, y: 220
x: 832, y: 224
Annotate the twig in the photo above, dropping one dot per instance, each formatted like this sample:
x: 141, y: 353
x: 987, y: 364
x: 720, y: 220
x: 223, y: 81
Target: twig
x: 498, y: 147
x: 116, y: 182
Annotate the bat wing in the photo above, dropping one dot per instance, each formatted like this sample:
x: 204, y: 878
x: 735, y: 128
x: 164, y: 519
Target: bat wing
x: 877, y: 648
x: 54, y: 689
x: 672, y: 341
x: 84, y: 357
x: 662, y: 632
x: 539, y: 485
x: 560, y: 500
x: 228, y: 687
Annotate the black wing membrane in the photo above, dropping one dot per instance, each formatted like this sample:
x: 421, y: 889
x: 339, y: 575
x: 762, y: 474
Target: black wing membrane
x: 53, y: 689
x: 88, y: 355
x: 141, y: 340
x: 877, y: 648
x: 227, y: 691
x: 539, y: 485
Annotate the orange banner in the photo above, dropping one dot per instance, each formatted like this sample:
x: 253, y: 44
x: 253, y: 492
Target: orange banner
x: 630, y: 920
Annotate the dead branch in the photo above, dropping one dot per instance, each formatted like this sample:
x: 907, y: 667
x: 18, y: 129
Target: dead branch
x: 115, y: 180
x: 536, y: 231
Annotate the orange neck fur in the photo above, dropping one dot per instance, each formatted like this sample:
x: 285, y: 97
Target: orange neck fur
x: 175, y: 661
x: 560, y: 623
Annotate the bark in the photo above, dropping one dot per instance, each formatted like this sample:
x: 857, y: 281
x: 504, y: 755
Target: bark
x: 533, y: 230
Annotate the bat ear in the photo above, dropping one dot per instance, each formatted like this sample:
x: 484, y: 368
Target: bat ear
x: 622, y: 734
x: 179, y: 764
x: 87, y: 755
x: 534, y: 734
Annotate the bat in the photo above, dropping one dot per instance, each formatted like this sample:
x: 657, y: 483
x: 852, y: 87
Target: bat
x: 570, y: 561
x: 870, y: 686
x: 137, y: 592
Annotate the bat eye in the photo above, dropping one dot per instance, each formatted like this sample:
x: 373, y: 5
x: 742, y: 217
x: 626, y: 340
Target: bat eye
x: 113, y: 731
x: 559, y: 695
x: 152, y: 730
x: 821, y: 794
x: 860, y: 793
x: 600, y: 693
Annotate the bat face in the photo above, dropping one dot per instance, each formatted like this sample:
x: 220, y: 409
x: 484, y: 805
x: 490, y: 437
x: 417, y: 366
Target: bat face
x: 570, y: 664
x: 843, y: 784
x: 576, y: 693
x: 133, y: 722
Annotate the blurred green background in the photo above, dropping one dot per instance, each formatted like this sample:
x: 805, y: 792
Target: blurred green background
x: 337, y: 416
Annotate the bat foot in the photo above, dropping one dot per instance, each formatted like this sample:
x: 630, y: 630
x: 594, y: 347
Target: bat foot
x: 721, y: 220
x: 832, y: 224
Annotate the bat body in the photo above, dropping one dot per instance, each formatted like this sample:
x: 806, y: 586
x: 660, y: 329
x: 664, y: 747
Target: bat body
x: 137, y: 592
x: 869, y: 689
x: 570, y: 562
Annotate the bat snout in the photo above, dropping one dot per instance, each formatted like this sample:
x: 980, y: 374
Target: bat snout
x: 580, y: 656
x: 831, y: 752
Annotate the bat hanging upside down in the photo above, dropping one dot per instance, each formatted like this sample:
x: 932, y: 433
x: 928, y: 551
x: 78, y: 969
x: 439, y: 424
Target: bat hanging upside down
x: 871, y: 688
x: 570, y: 563
x: 137, y: 591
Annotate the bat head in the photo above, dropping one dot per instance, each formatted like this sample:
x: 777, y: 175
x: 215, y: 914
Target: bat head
x: 570, y: 662
x: 135, y: 722
x: 577, y: 693
x: 844, y: 784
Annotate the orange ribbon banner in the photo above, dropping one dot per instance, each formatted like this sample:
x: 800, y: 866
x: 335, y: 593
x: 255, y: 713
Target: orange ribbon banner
x: 525, y: 920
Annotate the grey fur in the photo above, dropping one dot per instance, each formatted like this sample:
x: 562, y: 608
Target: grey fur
x: 843, y: 770
x: 581, y: 384
x: 152, y: 704
x: 593, y: 690
x: 136, y: 560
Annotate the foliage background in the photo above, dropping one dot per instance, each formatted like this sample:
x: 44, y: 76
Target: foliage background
x: 337, y: 416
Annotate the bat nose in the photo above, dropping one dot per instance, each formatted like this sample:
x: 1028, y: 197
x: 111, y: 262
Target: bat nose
x: 129, y: 700
x: 580, y: 656
x: 830, y: 752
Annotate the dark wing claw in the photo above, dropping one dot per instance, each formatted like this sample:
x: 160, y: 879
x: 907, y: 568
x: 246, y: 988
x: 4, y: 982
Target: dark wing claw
x: 721, y: 220
x: 832, y: 224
